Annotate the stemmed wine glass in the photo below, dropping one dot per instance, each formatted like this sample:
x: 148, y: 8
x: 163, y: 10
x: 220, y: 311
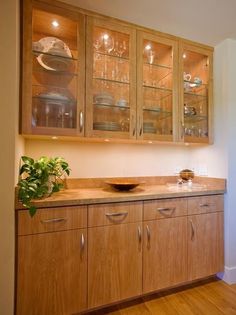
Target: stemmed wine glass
x: 108, y: 43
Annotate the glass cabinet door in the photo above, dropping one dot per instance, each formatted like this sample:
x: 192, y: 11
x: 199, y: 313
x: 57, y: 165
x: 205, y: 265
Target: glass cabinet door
x: 110, y: 80
x: 56, y: 99
x: 197, y: 90
x: 157, y: 87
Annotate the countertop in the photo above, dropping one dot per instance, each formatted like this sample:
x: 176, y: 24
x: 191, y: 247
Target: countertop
x: 149, y: 190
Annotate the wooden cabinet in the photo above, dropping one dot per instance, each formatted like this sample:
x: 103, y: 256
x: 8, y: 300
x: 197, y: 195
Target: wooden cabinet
x: 139, y: 84
x: 51, y: 266
x: 71, y: 259
x: 196, y: 93
x: 205, y: 237
x: 53, y: 76
x: 110, y: 79
x: 115, y: 255
x: 157, y: 87
x: 164, y: 253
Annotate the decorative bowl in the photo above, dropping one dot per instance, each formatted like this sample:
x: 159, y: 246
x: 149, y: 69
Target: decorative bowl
x: 186, y: 174
x: 123, y: 184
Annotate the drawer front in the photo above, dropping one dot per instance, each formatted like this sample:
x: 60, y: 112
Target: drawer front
x: 52, y: 219
x: 205, y: 204
x: 164, y: 208
x: 114, y: 213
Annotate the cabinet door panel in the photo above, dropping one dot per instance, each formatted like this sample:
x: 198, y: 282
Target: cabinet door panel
x: 52, y: 273
x: 165, y: 253
x: 115, y: 263
x: 205, y: 245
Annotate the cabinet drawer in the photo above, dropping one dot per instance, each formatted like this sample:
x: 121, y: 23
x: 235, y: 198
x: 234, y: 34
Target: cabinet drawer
x: 164, y: 208
x: 114, y: 213
x: 52, y: 219
x: 204, y: 204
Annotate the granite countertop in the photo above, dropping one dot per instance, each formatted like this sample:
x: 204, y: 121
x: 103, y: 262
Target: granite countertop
x: 93, y: 195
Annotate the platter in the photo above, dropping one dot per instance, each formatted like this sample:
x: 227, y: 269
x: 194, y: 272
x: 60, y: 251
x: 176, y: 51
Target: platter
x: 123, y: 184
x: 55, y: 56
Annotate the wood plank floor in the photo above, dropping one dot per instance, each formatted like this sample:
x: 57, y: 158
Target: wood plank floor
x: 209, y: 297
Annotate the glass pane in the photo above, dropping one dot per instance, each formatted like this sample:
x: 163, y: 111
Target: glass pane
x: 55, y: 71
x: 111, y: 86
x: 157, y: 88
x: 196, y: 79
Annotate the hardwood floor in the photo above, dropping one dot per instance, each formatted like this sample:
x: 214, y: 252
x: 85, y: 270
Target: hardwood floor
x: 209, y: 297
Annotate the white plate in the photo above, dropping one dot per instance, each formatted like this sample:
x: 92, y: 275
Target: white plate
x: 47, y: 43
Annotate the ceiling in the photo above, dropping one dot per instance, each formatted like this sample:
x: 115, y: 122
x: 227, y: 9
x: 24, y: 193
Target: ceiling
x: 205, y: 21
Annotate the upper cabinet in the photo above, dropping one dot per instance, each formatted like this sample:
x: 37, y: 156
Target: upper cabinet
x: 53, y: 71
x: 110, y: 79
x: 196, y: 93
x: 157, y: 86
x: 95, y: 77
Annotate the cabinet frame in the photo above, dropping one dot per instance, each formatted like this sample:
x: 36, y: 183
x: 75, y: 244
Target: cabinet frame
x: 26, y: 127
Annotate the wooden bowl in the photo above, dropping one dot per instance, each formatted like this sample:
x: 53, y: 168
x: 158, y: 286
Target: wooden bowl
x: 123, y: 184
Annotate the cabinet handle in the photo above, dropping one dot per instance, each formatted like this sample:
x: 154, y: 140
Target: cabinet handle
x: 166, y: 209
x: 148, y: 233
x: 81, y: 121
x: 134, y: 131
x: 117, y: 214
x: 82, y: 242
x: 141, y: 131
x: 139, y: 234
x: 204, y: 205
x: 54, y: 220
x: 192, y: 230
x: 182, y: 130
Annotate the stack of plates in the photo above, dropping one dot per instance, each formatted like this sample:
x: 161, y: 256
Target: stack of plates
x: 148, y: 127
x: 107, y: 126
x: 103, y: 98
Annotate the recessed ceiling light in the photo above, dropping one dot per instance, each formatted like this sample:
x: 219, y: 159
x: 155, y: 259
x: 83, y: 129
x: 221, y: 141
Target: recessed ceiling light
x: 55, y: 23
x: 148, y: 47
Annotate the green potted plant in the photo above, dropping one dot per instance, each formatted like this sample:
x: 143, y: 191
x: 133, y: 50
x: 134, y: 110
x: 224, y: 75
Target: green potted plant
x: 40, y: 178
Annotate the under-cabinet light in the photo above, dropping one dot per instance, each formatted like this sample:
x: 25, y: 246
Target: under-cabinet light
x: 184, y: 56
x: 54, y: 138
x: 106, y: 140
x: 150, y: 142
x: 55, y: 23
x: 106, y: 36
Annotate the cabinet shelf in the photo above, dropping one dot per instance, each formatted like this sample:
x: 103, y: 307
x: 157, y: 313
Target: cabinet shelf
x: 37, y: 53
x: 157, y: 88
x: 195, y: 95
x: 101, y: 105
x: 155, y: 65
x: 194, y: 118
x: 111, y: 81
x: 51, y: 99
x: 110, y: 55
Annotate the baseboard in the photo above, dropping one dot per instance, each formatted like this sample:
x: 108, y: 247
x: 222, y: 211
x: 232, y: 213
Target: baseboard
x: 229, y: 275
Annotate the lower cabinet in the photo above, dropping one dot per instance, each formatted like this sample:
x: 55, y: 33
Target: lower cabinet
x: 205, y: 245
x: 115, y: 263
x: 71, y: 259
x: 52, y: 273
x: 164, y: 253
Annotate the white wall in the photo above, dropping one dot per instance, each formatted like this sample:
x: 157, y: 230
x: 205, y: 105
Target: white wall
x: 108, y: 160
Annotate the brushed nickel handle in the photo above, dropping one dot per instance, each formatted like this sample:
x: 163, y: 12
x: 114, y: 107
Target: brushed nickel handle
x: 148, y: 233
x: 204, y: 205
x: 192, y: 229
x: 134, y: 131
x: 166, y: 209
x: 141, y: 131
x: 139, y: 234
x: 54, y: 220
x: 182, y: 129
x: 116, y: 214
x: 82, y: 242
x: 81, y: 121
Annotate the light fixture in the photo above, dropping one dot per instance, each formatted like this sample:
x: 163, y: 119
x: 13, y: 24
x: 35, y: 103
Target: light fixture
x: 150, y: 142
x: 54, y: 138
x: 106, y: 140
x: 105, y: 36
x: 148, y: 47
x: 184, y: 55
x: 55, y: 23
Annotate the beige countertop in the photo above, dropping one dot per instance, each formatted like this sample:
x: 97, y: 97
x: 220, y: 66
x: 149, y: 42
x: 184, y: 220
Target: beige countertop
x: 159, y: 190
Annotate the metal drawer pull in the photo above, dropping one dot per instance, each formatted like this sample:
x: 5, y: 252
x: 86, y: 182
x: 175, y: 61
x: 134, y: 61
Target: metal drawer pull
x: 81, y: 121
x: 148, y: 233
x: 54, y: 220
x: 204, y: 205
x: 82, y: 242
x: 192, y: 230
x: 139, y: 234
x: 117, y: 214
x: 134, y: 131
x: 166, y: 209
